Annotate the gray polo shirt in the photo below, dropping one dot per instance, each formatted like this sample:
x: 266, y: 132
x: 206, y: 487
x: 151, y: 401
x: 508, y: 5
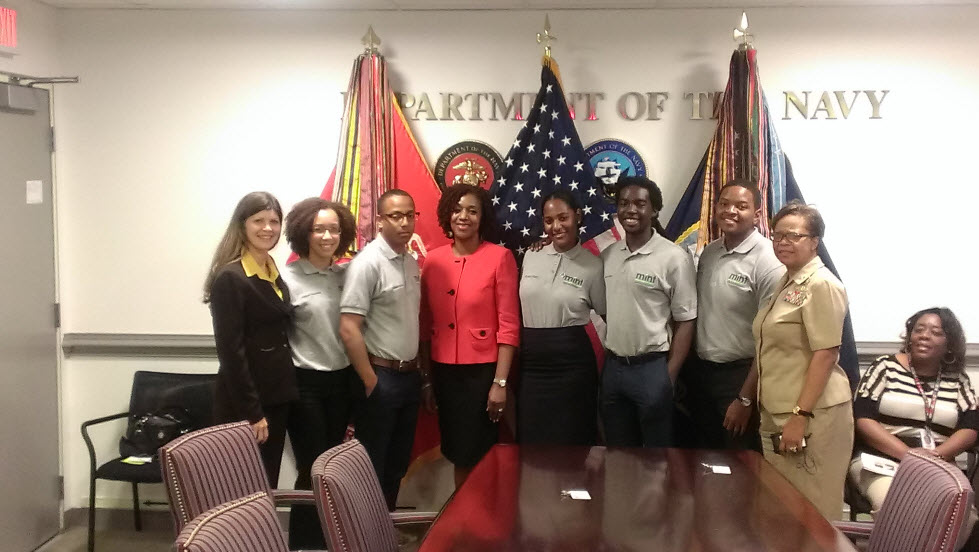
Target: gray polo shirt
x: 558, y: 290
x: 315, y: 332
x: 384, y: 287
x: 731, y: 287
x: 644, y: 289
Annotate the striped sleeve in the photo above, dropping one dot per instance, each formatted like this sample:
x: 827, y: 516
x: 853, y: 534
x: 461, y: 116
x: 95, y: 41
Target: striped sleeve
x: 968, y: 407
x: 872, y: 385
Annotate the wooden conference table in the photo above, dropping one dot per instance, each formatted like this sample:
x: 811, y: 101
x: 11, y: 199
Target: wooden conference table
x: 640, y: 499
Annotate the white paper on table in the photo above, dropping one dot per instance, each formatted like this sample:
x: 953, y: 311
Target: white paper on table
x: 876, y: 464
x: 718, y: 468
x: 578, y: 494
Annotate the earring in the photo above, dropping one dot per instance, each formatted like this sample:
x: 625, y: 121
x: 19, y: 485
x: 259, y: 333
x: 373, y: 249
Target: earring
x: 946, y: 360
x: 450, y: 234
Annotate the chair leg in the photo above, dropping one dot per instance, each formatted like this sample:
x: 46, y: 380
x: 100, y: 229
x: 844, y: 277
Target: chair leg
x: 91, y: 514
x: 137, y: 519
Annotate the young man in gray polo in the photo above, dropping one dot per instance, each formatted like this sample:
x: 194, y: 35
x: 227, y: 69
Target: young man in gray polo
x: 379, y: 328
x: 736, y: 275
x: 651, y: 298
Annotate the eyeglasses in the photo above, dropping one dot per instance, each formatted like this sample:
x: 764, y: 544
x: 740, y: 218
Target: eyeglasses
x: 398, y: 216
x: 333, y: 230
x: 792, y: 237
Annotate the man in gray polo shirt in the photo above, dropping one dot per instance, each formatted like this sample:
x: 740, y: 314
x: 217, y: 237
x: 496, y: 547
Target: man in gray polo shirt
x: 379, y: 328
x: 736, y: 276
x: 652, y: 303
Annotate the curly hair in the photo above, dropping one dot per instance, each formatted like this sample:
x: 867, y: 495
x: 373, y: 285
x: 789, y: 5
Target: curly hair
x: 954, y: 336
x: 299, y: 224
x: 814, y: 221
x: 655, y: 196
x: 453, y: 195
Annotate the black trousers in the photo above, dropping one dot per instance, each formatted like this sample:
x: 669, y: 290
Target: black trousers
x: 385, y: 424
x: 317, y: 423
x: 277, y: 417
x: 711, y: 388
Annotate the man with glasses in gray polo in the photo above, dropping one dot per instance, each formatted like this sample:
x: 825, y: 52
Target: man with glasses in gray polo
x: 379, y: 328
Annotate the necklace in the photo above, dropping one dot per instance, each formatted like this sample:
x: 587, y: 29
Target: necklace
x: 929, y: 404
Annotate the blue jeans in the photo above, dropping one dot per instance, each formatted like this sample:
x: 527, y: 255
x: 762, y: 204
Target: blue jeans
x: 385, y: 424
x: 637, y: 403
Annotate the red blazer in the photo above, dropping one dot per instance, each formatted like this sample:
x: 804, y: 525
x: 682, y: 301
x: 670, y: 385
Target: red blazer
x: 469, y: 304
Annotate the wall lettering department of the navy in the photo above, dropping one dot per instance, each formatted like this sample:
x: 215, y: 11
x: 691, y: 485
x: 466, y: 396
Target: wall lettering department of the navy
x: 635, y: 106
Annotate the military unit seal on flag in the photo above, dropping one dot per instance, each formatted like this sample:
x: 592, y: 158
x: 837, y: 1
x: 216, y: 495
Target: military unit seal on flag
x: 610, y: 159
x: 468, y: 162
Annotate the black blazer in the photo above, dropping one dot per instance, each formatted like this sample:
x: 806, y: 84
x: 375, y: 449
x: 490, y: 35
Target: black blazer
x: 250, y: 331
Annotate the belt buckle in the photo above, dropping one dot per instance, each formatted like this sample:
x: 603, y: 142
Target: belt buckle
x: 403, y: 365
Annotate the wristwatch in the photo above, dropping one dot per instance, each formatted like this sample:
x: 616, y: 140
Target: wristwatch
x: 500, y: 381
x: 798, y: 411
x: 745, y: 401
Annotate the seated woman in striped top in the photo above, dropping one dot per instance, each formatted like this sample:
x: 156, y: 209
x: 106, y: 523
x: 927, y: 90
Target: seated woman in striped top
x: 920, y: 398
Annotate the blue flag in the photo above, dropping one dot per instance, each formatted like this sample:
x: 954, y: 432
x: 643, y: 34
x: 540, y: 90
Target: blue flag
x: 547, y: 155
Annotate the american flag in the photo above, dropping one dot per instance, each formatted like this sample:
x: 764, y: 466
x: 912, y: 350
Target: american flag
x: 547, y: 155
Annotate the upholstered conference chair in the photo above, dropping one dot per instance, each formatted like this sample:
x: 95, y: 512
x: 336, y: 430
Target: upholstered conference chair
x: 213, y: 466
x: 351, y: 505
x: 927, y: 509
x: 247, y: 524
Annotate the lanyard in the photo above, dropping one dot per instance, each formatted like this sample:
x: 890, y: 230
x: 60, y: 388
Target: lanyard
x: 929, y: 405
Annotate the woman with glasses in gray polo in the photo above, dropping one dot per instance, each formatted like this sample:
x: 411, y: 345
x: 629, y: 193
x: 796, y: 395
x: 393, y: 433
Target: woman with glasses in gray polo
x: 803, y: 393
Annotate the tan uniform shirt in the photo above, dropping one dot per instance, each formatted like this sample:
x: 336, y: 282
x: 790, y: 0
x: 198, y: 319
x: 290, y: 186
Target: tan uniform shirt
x: 805, y: 314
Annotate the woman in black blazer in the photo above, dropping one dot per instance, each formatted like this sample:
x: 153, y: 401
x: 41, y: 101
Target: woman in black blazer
x: 250, y: 310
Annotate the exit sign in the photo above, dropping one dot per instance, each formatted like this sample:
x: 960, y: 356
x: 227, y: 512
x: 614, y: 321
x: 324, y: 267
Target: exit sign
x: 8, y: 28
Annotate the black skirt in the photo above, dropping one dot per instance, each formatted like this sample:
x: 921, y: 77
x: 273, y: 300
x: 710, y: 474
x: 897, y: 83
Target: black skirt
x: 461, y: 392
x: 557, y: 396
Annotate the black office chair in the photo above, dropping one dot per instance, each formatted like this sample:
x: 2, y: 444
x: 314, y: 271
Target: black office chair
x: 151, y: 392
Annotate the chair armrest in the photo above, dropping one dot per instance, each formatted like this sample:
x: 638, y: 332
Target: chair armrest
x: 413, y: 518
x: 287, y: 497
x: 858, y: 529
x: 88, y: 440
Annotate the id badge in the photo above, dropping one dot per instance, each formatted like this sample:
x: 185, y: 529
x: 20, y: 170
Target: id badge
x: 927, y: 439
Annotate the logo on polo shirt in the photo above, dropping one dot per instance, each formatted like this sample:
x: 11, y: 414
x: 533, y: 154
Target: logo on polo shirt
x: 645, y: 279
x: 738, y: 280
x: 572, y: 280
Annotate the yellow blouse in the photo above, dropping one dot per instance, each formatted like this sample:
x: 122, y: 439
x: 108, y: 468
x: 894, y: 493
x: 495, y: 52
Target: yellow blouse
x: 269, y: 273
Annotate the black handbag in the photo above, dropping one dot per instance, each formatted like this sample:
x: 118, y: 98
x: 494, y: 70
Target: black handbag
x: 146, y: 433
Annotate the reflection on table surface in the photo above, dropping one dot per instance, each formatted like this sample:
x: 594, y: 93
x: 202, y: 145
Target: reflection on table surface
x: 640, y: 499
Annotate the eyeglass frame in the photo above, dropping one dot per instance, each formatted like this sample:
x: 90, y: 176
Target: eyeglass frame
x: 397, y: 216
x: 791, y: 237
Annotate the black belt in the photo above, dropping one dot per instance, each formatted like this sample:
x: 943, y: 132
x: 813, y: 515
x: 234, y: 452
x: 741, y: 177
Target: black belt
x: 638, y: 359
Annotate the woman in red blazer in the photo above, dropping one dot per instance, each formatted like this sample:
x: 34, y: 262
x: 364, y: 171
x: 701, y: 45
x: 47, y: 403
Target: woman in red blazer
x: 470, y: 326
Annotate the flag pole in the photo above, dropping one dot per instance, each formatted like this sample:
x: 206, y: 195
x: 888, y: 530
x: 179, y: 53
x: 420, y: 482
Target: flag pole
x: 741, y: 33
x: 370, y: 41
x: 545, y: 38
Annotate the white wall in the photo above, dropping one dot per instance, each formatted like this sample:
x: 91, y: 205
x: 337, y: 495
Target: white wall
x: 37, y: 53
x: 180, y: 113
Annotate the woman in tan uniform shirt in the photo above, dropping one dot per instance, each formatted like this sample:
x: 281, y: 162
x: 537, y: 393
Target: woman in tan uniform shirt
x: 803, y: 394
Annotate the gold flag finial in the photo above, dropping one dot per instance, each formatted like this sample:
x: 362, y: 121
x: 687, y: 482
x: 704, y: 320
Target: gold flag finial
x: 370, y: 41
x: 546, y: 37
x: 741, y: 33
